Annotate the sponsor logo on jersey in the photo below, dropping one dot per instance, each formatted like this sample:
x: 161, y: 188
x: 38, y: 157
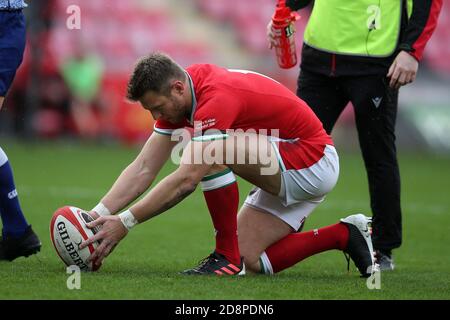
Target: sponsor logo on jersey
x: 12, y: 194
x: 208, y: 123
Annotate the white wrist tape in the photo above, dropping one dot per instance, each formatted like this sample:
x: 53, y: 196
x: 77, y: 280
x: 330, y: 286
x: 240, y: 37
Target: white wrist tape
x: 101, y: 210
x: 128, y: 220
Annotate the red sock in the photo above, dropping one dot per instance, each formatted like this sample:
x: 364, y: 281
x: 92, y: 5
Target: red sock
x: 222, y: 197
x: 298, y: 246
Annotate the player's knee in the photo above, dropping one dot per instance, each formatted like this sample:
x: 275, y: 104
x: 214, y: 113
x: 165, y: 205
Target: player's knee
x: 252, y: 264
x: 216, y: 168
x: 251, y: 261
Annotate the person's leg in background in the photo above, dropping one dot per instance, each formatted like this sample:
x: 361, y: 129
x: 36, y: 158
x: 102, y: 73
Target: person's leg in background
x: 18, y: 239
x: 323, y: 95
x: 375, y: 113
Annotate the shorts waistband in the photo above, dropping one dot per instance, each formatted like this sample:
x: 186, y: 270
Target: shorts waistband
x: 6, y: 9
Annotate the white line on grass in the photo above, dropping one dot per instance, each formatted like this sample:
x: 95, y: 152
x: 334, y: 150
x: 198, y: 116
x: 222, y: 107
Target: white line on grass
x: 62, y: 191
x: 340, y: 205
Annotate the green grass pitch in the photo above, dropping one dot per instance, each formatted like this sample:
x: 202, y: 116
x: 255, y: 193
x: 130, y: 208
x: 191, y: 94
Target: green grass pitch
x: 146, y: 263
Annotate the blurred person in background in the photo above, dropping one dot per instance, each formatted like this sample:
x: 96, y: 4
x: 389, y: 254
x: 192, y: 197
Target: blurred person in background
x: 18, y: 239
x: 53, y: 118
x: 83, y: 73
x: 363, y: 52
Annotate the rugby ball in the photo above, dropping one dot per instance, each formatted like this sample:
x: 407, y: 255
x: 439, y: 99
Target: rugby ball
x: 68, y: 230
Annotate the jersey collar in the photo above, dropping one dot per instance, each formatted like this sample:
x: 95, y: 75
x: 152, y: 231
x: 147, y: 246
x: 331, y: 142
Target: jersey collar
x: 194, y: 99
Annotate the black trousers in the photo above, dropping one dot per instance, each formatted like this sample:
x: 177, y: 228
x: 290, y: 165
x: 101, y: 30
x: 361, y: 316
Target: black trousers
x: 375, y: 107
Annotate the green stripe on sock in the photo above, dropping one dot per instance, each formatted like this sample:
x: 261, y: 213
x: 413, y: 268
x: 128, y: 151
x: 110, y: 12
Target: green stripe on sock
x: 263, y: 270
x: 216, y: 175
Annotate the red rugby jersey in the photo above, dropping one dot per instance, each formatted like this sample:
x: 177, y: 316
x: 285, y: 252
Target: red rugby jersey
x: 226, y: 99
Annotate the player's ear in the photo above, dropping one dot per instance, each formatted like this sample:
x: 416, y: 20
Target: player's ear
x: 178, y: 86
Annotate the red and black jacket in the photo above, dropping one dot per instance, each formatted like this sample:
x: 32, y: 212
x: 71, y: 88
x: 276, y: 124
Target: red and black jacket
x: 414, y: 35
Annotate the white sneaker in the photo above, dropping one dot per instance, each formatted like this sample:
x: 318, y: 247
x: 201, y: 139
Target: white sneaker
x: 359, y: 246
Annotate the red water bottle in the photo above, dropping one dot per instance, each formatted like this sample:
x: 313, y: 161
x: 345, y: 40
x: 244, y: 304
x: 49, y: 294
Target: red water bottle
x: 283, y: 29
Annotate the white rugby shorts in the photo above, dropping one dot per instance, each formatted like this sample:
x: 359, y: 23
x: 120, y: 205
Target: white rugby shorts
x: 301, y: 190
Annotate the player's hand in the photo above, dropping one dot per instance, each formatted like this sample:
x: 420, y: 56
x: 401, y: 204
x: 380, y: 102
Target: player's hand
x: 94, y: 215
x: 403, y: 70
x: 111, y: 232
x: 270, y: 35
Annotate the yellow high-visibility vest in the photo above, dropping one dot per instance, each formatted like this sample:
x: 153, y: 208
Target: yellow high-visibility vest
x: 355, y: 27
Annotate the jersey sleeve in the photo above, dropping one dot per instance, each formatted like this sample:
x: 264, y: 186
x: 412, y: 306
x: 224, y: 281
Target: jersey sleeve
x: 421, y: 24
x: 167, y: 128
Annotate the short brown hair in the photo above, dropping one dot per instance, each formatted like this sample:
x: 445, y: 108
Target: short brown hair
x: 153, y: 73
